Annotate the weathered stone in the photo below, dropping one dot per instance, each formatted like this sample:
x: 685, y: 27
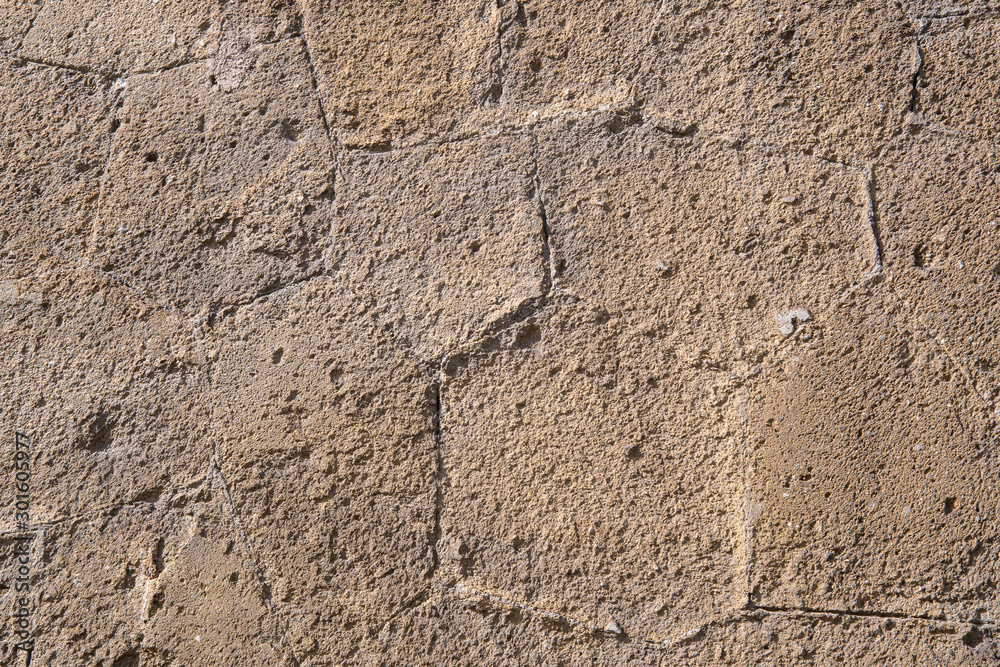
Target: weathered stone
x: 957, y: 86
x: 701, y: 240
x: 161, y: 582
x: 18, y: 15
x: 829, y: 80
x: 941, y: 233
x: 106, y: 387
x: 446, y: 241
x: 122, y: 36
x: 401, y: 73
x: 573, y: 465
x: 464, y: 627
x: 869, y: 486
x: 55, y: 137
x: 482, y: 333
x: 333, y: 476
x: 220, y: 181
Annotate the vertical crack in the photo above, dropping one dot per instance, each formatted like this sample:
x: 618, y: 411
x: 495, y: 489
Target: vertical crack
x: 495, y: 91
x: 315, y: 81
x: 548, y: 266
x: 918, y: 67
x: 435, y: 537
x: 871, y: 214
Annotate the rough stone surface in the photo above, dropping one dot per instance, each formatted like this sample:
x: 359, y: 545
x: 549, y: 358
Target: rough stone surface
x: 446, y: 241
x: 55, y: 146
x: 514, y: 332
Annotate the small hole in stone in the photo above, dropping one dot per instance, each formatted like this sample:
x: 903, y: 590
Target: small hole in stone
x: 151, y: 156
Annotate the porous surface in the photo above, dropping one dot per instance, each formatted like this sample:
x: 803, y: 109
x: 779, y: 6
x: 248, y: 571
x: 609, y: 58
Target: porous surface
x: 499, y: 333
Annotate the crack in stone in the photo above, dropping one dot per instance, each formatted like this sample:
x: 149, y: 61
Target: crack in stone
x: 871, y: 214
x: 495, y: 91
x: 263, y: 295
x: 810, y: 611
x: 918, y: 67
x: 435, y: 537
x: 315, y: 82
x: 79, y: 69
x: 216, y: 470
x: 547, y: 261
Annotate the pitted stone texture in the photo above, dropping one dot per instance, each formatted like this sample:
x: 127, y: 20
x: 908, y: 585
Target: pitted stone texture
x: 54, y: 134
x: 589, y: 472
x: 941, y: 231
x: 326, y: 437
x: 259, y: 21
x: 830, y: 80
x: 18, y: 15
x: 931, y: 9
x: 106, y: 387
x: 958, y: 87
x: 712, y: 244
x: 445, y: 240
x: 869, y: 486
x: 564, y: 55
x: 401, y: 73
x: 163, y: 583
x: 462, y: 627
x: 122, y: 37
x: 220, y: 182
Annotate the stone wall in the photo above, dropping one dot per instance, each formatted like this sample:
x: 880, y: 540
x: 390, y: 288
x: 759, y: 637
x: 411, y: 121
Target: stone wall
x: 481, y: 332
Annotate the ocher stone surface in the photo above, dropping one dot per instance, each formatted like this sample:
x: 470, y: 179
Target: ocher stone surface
x: 446, y: 241
x: 55, y: 138
x: 107, y: 387
x: 528, y: 332
x: 942, y: 238
x: 871, y: 481
x: 122, y: 37
x: 219, y: 181
x: 334, y: 476
x: 630, y: 518
x: 706, y: 241
x: 957, y: 87
x: 470, y: 628
x: 398, y: 73
x: 168, y: 582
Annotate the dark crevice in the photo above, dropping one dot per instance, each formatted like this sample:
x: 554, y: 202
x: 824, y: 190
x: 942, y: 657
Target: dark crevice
x: 873, y: 221
x: 315, y: 84
x: 218, y: 315
x: 751, y: 606
x: 495, y: 91
x: 435, y: 537
x: 917, y: 69
x: 548, y: 268
x: 80, y: 69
